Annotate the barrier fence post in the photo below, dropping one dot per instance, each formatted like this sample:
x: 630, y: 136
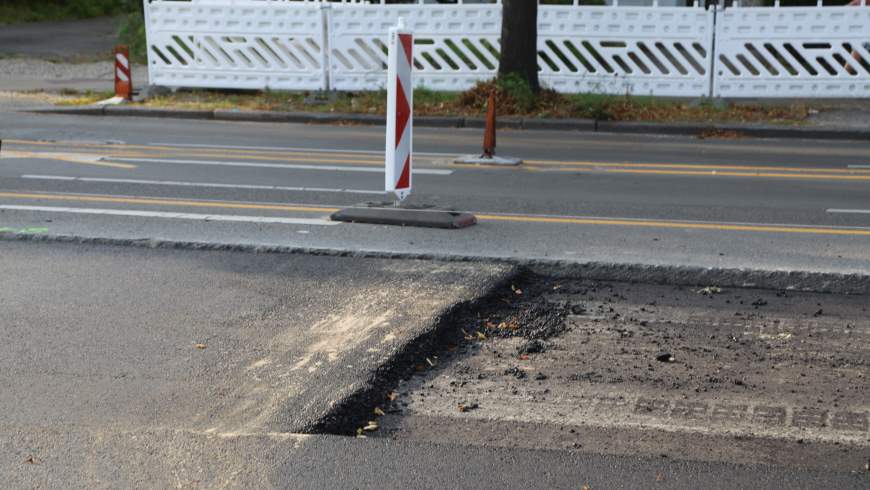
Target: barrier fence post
x: 400, y: 112
x: 123, y: 73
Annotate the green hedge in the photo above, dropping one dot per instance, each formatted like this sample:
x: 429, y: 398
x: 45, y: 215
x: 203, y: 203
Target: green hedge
x: 19, y: 11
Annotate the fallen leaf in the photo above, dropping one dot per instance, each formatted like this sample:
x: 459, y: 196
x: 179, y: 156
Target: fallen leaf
x: 392, y: 396
x: 710, y: 290
x: 379, y: 412
x: 481, y: 336
x: 30, y: 460
x: 508, y: 326
x: 371, y: 427
x: 200, y: 346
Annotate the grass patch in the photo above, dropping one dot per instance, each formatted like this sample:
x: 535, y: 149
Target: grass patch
x: 75, y: 98
x: 511, y: 102
x: 425, y: 101
x: 515, y: 98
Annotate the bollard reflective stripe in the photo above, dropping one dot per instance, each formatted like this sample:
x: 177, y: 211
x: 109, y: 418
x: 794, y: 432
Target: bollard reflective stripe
x: 400, y: 112
x: 123, y: 73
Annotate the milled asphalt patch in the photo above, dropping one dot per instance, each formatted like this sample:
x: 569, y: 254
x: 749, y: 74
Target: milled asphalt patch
x: 714, y: 374
x: 585, y: 125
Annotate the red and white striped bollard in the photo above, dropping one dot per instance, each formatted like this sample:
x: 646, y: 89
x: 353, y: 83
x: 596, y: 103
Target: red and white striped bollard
x: 123, y: 73
x: 400, y: 111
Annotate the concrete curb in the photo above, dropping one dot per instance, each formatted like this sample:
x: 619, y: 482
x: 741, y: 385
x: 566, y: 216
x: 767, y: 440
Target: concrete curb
x: 817, y: 282
x: 584, y: 125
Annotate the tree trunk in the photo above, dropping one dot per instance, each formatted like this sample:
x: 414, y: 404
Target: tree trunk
x: 519, y: 41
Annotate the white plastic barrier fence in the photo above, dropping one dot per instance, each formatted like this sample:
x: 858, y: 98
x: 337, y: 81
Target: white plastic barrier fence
x: 793, y: 52
x: 636, y: 50
x: 455, y: 45
x: 640, y: 50
x: 236, y: 44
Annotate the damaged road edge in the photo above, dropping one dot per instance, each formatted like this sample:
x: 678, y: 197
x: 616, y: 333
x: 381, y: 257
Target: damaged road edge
x: 356, y: 410
x: 804, y: 281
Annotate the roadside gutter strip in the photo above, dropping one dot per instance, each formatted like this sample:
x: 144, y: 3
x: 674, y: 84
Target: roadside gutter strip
x: 586, y: 125
x: 807, y: 281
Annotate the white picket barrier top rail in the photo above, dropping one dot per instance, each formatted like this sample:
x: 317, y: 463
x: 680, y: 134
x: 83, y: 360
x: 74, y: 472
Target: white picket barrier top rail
x: 645, y: 50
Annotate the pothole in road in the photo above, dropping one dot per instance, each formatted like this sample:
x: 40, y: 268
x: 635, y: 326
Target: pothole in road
x: 750, y: 375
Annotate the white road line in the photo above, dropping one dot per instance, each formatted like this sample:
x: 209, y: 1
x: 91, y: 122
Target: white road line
x: 294, y: 149
x: 200, y: 184
x: 288, y: 166
x: 165, y: 215
x: 849, y: 211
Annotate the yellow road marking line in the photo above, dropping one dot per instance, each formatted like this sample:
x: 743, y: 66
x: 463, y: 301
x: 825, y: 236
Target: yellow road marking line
x: 377, y: 154
x: 670, y: 224
x: 168, y: 202
x: 201, y: 152
x: 67, y: 157
x: 276, y: 158
x: 176, y: 152
x: 687, y: 166
x: 742, y: 174
x: 326, y: 157
x: 696, y: 145
x: 481, y: 217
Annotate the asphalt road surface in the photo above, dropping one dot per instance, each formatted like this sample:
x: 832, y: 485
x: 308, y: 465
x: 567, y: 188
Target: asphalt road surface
x: 115, y: 346
x: 137, y: 367
x: 129, y: 367
x: 762, y: 204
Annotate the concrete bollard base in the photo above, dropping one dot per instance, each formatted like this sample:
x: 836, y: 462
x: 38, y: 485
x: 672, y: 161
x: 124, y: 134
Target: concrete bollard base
x: 482, y: 160
x: 420, y: 217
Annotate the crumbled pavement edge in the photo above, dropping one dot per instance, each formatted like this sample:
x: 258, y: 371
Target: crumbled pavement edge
x: 583, y: 125
x: 350, y: 414
x: 804, y: 281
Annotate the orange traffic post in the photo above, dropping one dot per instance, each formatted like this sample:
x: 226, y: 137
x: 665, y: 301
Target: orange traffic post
x: 488, y: 157
x: 489, y: 132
